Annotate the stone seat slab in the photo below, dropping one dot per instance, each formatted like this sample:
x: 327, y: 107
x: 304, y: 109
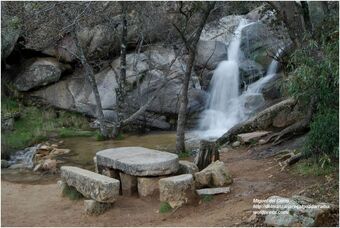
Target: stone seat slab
x: 92, y: 185
x: 138, y: 161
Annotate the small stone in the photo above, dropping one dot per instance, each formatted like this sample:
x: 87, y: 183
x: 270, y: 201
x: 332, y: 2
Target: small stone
x: 186, y: 167
x: 147, y: 186
x: 177, y: 190
x: 214, y: 175
x: 93, y: 207
x: 50, y: 165
x: 18, y: 166
x: 262, y: 141
x: 54, y: 145
x: 129, y: 184
x: 45, y: 147
x: 212, y: 191
x: 37, y: 167
x: 56, y: 151
x: 4, y: 164
x: 236, y: 144
x: 60, y: 142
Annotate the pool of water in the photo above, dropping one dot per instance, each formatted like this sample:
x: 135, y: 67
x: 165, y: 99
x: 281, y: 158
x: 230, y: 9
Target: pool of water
x: 83, y: 149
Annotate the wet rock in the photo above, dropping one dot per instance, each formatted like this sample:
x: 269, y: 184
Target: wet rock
x: 90, y: 184
x: 138, y: 161
x: 40, y: 72
x: 7, y: 124
x: 18, y: 166
x: 213, y: 191
x: 252, y: 136
x: 50, y: 165
x: 60, y: 151
x: 4, y: 164
x: 186, y: 167
x: 128, y: 183
x: 214, y: 175
x: 148, y: 186
x: 93, y: 207
x: 176, y: 190
x: 262, y: 141
x: 37, y: 168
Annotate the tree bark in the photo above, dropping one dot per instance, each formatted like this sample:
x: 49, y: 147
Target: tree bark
x: 90, y: 77
x: 121, y: 80
x: 191, y: 45
x: 208, y: 151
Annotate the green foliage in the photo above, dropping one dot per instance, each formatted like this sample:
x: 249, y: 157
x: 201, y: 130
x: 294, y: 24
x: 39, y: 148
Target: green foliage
x: 310, y: 168
x: 322, y: 141
x: 37, y: 124
x: 99, y: 136
x: 184, y: 154
x: 71, y: 193
x: 120, y: 136
x: 207, y: 198
x: 315, y: 73
x: 164, y: 207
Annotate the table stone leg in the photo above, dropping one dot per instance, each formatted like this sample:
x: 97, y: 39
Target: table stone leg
x: 128, y: 183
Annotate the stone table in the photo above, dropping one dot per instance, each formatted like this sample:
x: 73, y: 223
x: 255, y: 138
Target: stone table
x: 133, y: 162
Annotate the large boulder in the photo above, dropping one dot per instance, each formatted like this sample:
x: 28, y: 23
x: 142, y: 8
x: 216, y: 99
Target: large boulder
x: 257, y: 41
x: 39, y: 72
x: 300, y: 211
x: 214, y: 175
x: 11, y: 28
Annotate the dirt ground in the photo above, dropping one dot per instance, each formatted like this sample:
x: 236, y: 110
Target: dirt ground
x: 42, y: 205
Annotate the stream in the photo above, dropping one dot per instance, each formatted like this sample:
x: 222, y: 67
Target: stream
x: 83, y: 149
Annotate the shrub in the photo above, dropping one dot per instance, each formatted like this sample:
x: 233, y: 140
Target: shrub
x: 164, y: 207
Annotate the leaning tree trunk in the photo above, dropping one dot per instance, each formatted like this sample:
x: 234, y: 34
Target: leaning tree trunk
x: 207, y: 153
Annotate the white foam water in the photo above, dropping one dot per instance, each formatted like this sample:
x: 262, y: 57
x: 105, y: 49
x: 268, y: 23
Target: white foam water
x: 226, y: 107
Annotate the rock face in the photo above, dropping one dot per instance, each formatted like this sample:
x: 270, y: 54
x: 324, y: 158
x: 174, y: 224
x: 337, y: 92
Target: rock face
x: 148, y: 186
x: 214, y: 175
x: 138, y: 161
x: 176, y: 190
x: 10, y: 27
x: 90, y: 184
x: 186, y: 167
x: 252, y: 136
x: 299, y: 214
x: 213, y: 191
x: 41, y: 72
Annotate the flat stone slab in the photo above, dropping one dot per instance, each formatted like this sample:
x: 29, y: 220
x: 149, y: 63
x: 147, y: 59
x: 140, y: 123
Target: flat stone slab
x: 212, y: 191
x: 92, y: 185
x: 139, y: 161
x: 252, y: 136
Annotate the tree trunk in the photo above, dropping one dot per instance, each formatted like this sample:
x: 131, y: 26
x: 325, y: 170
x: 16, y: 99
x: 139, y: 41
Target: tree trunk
x: 121, y: 80
x: 207, y: 151
x: 291, y: 15
x: 182, y: 112
x: 191, y: 45
x: 90, y: 77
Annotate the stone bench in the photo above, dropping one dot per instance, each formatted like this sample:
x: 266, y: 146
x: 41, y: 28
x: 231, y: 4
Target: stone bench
x: 99, y: 188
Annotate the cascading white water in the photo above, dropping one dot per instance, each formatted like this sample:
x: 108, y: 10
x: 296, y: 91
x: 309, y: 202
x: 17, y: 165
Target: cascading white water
x: 226, y: 107
x: 24, y: 157
x: 223, y: 109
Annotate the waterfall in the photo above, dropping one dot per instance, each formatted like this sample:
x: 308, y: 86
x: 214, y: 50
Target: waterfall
x: 226, y: 107
x: 24, y: 157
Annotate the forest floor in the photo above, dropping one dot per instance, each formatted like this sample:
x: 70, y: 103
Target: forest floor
x: 255, y: 176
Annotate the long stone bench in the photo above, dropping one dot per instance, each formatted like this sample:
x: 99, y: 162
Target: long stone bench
x: 91, y: 185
